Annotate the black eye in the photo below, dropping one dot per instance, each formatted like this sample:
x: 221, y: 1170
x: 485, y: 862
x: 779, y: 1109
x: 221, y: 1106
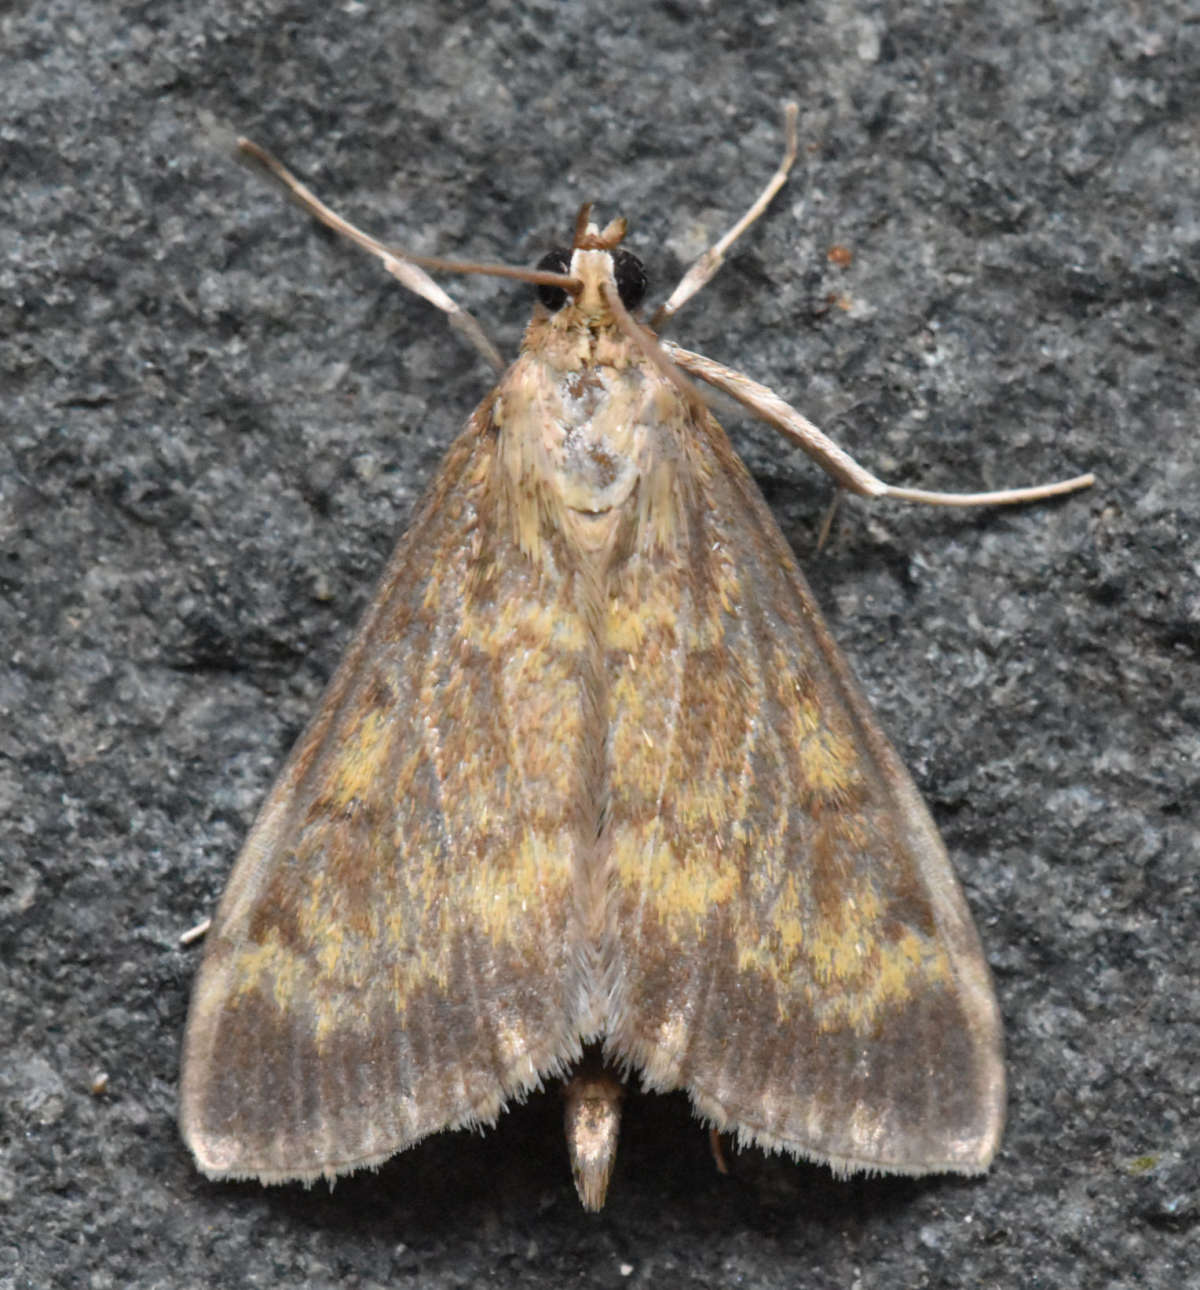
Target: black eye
x: 631, y: 278
x: 553, y: 262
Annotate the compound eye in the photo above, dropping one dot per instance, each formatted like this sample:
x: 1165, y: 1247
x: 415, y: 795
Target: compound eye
x: 631, y: 278
x: 556, y: 261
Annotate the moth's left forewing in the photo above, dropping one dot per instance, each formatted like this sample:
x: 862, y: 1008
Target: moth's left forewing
x: 395, y: 953
x: 791, y: 944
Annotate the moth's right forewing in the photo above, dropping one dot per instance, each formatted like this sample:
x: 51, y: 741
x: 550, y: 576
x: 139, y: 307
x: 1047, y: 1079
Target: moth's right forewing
x: 393, y: 954
x: 792, y: 946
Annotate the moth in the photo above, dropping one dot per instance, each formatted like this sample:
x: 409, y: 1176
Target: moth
x: 594, y: 792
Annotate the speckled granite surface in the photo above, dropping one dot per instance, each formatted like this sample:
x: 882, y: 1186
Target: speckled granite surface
x: 216, y: 419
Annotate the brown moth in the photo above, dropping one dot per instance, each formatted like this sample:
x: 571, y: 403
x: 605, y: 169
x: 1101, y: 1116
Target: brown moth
x: 593, y: 775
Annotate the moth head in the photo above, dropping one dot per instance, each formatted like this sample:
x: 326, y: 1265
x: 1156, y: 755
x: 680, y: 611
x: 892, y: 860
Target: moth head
x: 596, y: 257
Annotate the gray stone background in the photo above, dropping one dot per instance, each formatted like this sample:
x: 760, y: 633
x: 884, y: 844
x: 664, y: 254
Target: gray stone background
x: 216, y: 419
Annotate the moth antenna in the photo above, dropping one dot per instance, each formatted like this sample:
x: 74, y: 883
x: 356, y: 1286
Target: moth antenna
x: 650, y: 345
x: 518, y: 272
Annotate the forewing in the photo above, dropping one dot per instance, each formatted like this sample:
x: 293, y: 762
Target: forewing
x: 392, y: 955
x: 792, y: 947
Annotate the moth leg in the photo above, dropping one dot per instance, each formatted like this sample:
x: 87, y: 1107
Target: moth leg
x: 196, y: 933
x: 400, y: 266
x: 838, y: 464
x: 717, y: 1147
x: 826, y: 525
x: 707, y: 265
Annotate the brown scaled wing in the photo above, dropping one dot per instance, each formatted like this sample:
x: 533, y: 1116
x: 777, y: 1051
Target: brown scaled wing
x: 391, y: 956
x: 792, y: 947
